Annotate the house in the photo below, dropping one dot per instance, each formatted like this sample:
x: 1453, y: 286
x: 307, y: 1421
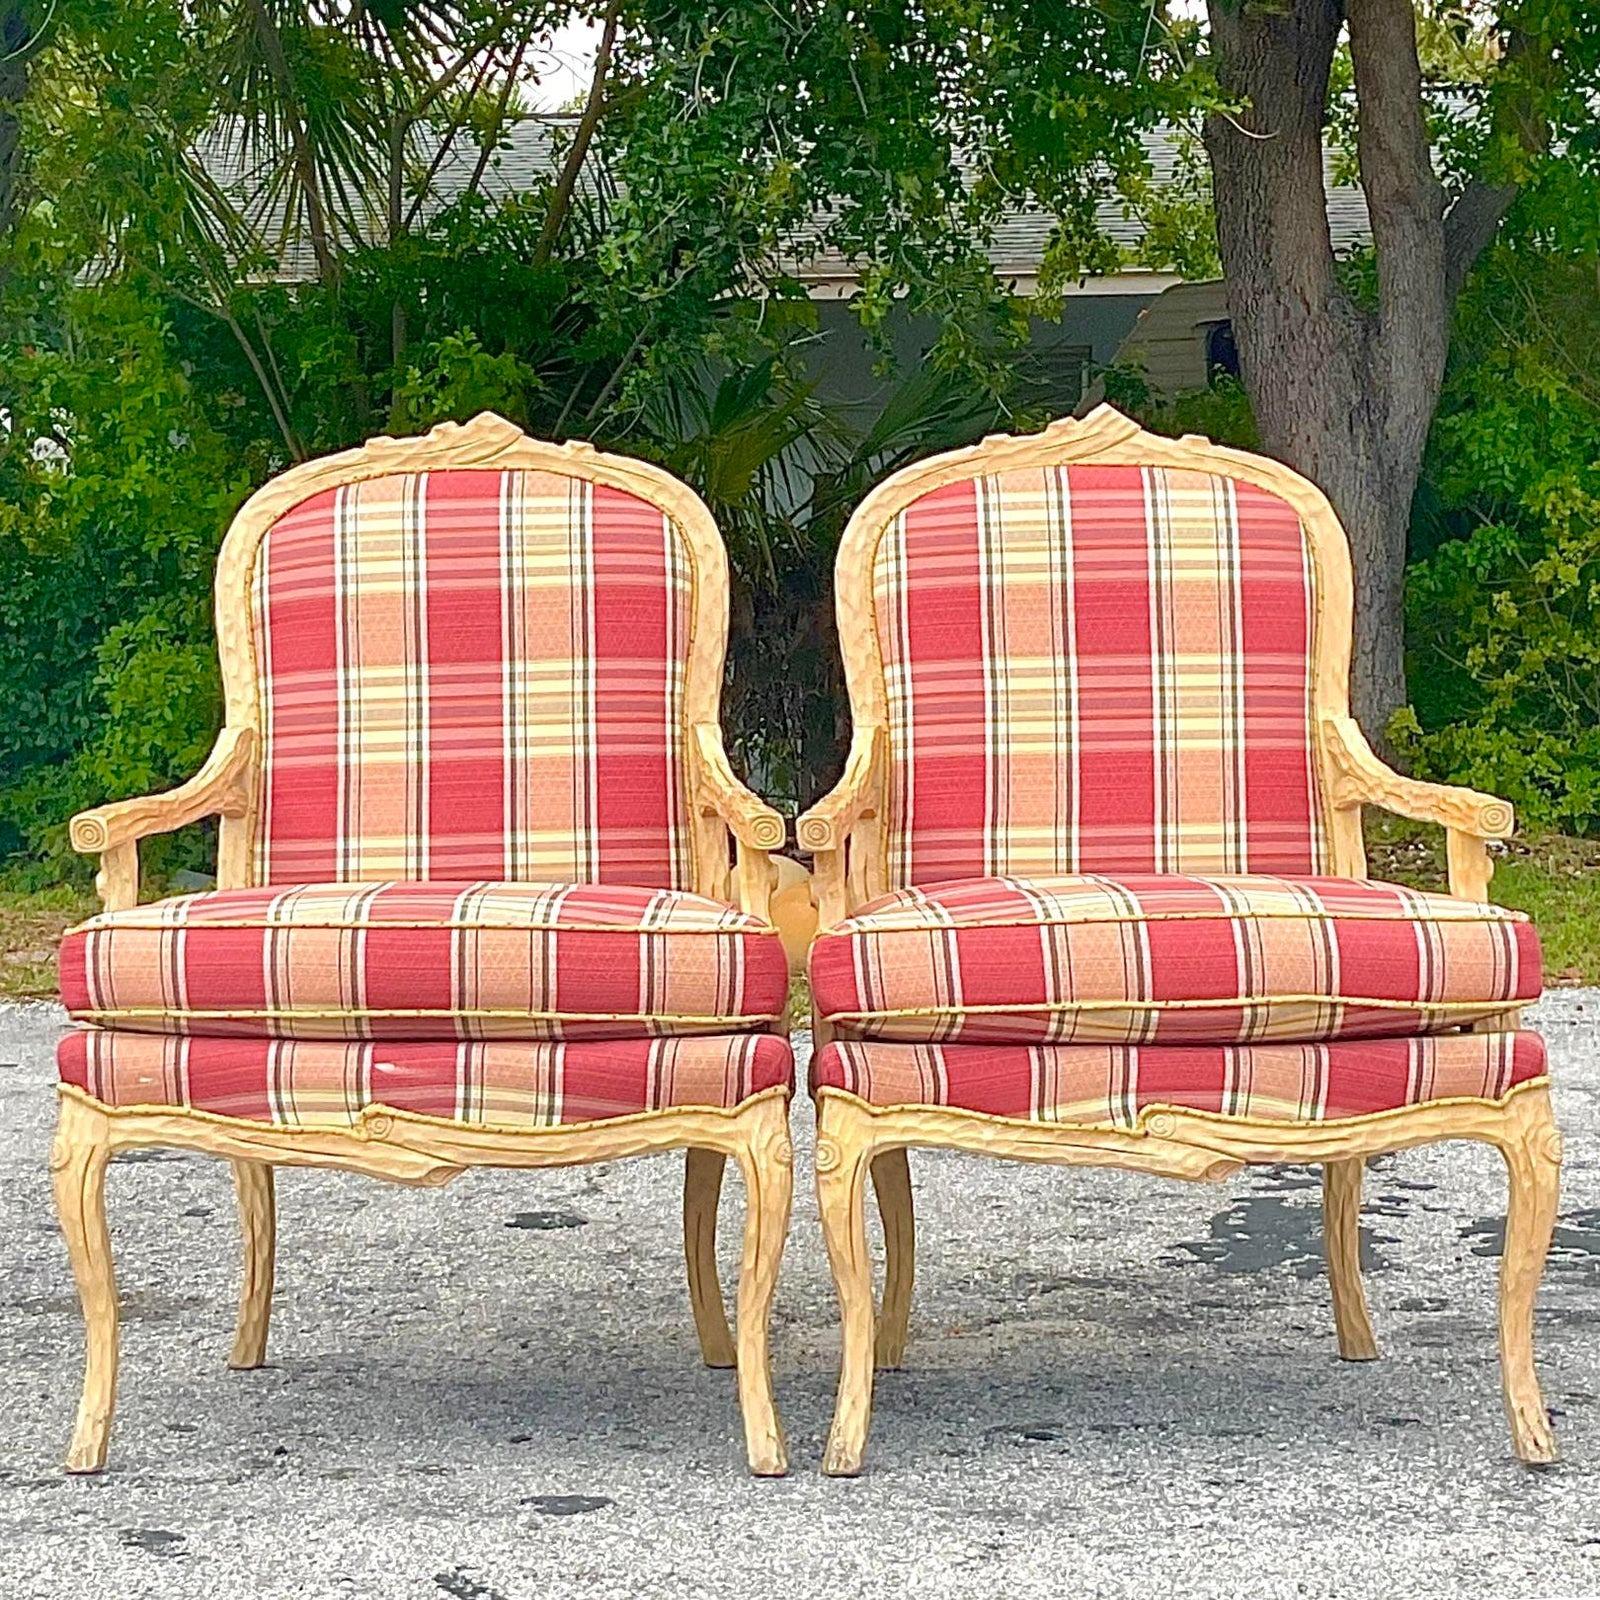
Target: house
x: 1176, y: 332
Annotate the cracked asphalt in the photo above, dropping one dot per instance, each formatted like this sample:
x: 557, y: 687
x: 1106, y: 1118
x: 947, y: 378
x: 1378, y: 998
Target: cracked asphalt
x: 1117, y: 1386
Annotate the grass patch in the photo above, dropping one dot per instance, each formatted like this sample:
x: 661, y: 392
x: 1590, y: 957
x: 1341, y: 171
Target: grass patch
x: 1554, y: 878
x: 31, y: 925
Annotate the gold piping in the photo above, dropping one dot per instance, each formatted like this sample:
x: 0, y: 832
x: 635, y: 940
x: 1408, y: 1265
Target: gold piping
x: 1249, y: 1002
x: 112, y: 922
x: 861, y: 922
x: 740, y: 1023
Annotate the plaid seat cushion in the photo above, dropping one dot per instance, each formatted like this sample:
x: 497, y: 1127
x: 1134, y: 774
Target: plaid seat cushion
x: 503, y: 1082
x: 423, y: 961
x: 473, y: 674
x: 1098, y: 669
x: 1110, y: 1084
x: 1164, y: 958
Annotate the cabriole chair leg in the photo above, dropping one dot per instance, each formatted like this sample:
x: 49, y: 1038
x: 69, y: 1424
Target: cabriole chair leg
x: 78, y: 1160
x: 1531, y: 1146
x: 702, y: 1188
x: 766, y: 1160
x: 258, y: 1222
x: 891, y: 1179
x: 1341, y: 1238
x: 844, y: 1154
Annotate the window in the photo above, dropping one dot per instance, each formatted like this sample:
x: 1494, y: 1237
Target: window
x: 1222, y: 354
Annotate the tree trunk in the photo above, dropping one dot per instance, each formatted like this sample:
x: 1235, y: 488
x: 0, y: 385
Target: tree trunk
x: 308, y: 179
x: 399, y: 126
x: 582, y: 137
x: 1374, y: 502
x: 1343, y: 394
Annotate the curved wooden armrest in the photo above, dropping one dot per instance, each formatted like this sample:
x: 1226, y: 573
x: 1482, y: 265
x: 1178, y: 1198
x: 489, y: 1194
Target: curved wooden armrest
x: 220, y: 788
x: 1470, y: 819
x: 1361, y: 778
x: 750, y: 819
x: 829, y: 822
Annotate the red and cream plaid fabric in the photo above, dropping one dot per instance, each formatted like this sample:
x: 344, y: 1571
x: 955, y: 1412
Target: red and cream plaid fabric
x: 507, y: 1083
x: 1110, y: 1084
x: 473, y: 674
x: 1098, y: 669
x: 1165, y: 958
x: 427, y: 961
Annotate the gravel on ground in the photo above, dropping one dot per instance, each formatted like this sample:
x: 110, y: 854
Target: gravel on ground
x: 1117, y: 1386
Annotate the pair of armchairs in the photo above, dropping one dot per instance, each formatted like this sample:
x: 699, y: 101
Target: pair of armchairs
x: 1091, y: 889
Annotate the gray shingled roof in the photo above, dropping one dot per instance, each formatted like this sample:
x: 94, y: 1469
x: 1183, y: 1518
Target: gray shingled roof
x: 533, y: 148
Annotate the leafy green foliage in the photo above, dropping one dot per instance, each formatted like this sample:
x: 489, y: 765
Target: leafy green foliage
x: 155, y: 363
x: 114, y: 489
x: 1504, y: 604
x: 156, y: 360
x: 1220, y: 412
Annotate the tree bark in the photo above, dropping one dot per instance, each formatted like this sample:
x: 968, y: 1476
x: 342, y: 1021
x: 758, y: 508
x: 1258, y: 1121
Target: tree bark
x: 1341, y: 393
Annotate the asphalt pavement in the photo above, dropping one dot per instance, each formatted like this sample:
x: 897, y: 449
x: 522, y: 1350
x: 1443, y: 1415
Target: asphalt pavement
x: 1116, y: 1386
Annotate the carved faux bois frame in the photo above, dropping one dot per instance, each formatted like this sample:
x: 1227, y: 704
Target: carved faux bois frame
x: 843, y: 831
x: 392, y: 1144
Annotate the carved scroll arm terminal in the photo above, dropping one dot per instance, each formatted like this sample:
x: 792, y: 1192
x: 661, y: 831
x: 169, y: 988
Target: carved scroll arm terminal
x: 757, y: 829
x: 222, y: 787
x: 826, y: 828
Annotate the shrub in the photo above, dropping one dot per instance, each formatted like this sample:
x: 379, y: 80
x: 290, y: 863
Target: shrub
x: 1503, y: 605
x: 115, y: 489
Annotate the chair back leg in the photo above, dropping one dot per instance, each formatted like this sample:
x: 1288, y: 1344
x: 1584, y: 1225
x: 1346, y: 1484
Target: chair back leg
x: 891, y: 1179
x: 702, y: 1188
x: 1341, y: 1238
x: 258, y: 1222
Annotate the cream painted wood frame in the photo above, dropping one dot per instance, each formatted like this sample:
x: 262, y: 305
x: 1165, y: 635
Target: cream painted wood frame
x: 844, y: 833
x: 388, y: 1143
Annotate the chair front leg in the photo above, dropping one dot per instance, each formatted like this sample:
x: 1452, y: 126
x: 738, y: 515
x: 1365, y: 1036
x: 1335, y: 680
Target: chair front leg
x: 1341, y: 1238
x: 891, y: 1179
x: 702, y: 1188
x: 1531, y: 1147
x: 844, y: 1155
x: 258, y: 1223
x: 766, y: 1160
x: 78, y: 1159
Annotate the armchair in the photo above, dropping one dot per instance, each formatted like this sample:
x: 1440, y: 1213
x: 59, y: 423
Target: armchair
x: 476, y: 903
x: 1092, y: 888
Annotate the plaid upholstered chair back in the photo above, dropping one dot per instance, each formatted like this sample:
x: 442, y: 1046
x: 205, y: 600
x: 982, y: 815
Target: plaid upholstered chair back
x: 1091, y: 665
x: 471, y: 671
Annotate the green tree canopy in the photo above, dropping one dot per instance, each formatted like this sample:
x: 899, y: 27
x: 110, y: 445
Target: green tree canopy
x: 158, y: 356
